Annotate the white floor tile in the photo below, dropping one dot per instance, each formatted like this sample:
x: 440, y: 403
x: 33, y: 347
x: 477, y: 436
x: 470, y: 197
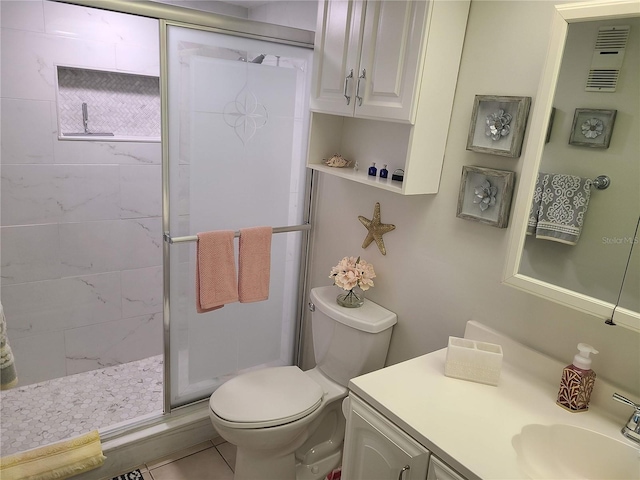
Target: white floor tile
x: 228, y: 452
x: 178, y: 455
x: 205, y: 465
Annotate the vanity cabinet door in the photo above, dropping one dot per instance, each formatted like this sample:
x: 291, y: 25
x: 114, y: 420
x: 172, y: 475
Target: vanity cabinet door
x: 438, y: 470
x: 375, y: 449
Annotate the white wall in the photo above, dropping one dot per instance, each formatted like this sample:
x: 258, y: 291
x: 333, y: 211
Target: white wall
x: 295, y: 13
x: 212, y: 6
x: 441, y: 271
x: 81, y: 220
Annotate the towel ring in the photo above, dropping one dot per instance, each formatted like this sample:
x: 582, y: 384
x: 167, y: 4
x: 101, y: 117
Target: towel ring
x: 602, y: 182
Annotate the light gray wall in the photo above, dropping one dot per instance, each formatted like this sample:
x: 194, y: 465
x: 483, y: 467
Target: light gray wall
x: 441, y: 271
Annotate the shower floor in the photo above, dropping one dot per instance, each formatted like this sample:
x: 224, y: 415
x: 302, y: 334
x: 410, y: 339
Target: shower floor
x: 47, y: 412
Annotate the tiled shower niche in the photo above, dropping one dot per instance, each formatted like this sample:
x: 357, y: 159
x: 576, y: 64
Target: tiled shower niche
x: 117, y: 105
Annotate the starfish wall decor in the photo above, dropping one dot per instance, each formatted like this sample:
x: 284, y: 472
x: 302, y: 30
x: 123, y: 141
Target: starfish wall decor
x: 376, y: 229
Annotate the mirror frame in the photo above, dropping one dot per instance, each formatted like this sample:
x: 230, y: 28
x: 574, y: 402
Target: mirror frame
x: 565, y: 15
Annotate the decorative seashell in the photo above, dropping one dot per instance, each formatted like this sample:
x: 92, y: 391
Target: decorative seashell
x: 337, y: 161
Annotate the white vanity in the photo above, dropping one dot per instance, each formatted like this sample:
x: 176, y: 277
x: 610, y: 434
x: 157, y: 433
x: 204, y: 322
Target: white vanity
x: 410, y: 421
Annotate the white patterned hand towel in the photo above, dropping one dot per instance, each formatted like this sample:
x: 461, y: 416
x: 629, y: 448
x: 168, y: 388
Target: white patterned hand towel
x: 8, y: 375
x: 562, y: 202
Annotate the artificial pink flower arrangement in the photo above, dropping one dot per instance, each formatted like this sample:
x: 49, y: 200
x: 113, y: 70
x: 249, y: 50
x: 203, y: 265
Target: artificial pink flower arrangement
x: 352, y: 272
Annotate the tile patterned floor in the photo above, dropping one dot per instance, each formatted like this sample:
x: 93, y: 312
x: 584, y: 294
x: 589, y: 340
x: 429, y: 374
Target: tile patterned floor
x: 206, y: 461
x: 42, y: 413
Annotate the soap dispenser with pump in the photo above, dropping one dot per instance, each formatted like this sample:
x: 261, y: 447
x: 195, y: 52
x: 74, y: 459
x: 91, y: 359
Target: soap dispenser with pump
x: 577, y: 381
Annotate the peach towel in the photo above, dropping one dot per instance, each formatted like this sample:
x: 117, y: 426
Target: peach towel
x: 216, y: 282
x: 254, y: 264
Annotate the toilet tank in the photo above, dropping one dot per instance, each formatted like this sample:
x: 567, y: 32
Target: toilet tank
x: 348, y: 342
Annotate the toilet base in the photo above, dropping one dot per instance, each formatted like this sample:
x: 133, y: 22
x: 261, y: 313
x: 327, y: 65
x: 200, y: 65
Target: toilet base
x: 250, y: 465
x: 319, y: 469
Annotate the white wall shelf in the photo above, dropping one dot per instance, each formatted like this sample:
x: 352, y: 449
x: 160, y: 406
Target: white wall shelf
x: 408, y: 133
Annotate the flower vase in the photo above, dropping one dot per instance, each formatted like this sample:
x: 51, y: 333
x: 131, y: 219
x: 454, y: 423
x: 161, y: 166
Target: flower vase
x: 353, y: 298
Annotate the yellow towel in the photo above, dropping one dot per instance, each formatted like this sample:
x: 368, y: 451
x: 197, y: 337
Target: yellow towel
x: 56, y: 461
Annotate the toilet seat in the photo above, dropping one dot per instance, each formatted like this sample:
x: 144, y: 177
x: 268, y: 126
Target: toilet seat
x: 266, y: 398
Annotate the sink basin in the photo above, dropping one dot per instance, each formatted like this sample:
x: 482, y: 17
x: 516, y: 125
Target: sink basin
x: 568, y: 452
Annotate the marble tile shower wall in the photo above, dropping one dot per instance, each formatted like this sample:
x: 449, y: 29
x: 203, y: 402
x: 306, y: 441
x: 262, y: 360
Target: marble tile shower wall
x: 81, y: 258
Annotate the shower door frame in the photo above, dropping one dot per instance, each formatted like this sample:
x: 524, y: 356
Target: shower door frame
x: 166, y: 15
x: 304, y: 228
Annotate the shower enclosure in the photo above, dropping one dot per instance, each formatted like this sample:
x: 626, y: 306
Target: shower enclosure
x: 234, y: 128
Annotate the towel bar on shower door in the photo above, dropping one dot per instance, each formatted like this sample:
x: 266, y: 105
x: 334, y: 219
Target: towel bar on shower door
x: 194, y: 238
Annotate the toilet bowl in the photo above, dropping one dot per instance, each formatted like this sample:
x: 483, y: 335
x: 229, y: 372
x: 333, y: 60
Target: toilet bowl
x: 287, y: 424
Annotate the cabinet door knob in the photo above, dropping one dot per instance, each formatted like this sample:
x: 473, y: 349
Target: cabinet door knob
x: 362, y: 76
x: 346, y: 83
x: 402, y: 472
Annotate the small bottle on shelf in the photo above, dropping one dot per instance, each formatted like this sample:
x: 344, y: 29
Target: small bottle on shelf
x: 384, y: 173
x: 373, y: 170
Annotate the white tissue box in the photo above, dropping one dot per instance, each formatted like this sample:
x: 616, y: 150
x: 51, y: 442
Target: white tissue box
x: 472, y: 360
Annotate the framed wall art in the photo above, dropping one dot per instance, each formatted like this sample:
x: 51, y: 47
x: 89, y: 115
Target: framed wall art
x: 592, y: 128
x: 498, y: 125
x: 552, y: 116
x: 485, y: 195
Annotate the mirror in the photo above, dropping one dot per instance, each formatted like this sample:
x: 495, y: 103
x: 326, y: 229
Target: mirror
x: 588, y: 272
x: 629, y: 302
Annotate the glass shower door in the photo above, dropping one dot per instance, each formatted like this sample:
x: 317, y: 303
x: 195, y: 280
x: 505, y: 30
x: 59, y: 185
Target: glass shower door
x: 237, y: 130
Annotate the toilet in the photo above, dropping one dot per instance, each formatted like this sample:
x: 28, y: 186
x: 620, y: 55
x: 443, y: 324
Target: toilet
x: 287, y: 424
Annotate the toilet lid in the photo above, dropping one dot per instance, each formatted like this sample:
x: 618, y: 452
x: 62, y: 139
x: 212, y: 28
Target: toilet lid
x: 266, y: 397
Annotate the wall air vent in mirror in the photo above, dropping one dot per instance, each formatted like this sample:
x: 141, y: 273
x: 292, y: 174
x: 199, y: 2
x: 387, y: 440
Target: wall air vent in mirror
x: 607, y: 59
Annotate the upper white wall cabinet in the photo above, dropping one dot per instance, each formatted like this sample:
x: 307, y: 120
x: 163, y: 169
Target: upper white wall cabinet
x: 386, y: 61
x: 368, y: 58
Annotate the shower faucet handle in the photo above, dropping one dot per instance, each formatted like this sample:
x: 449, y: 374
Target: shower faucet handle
x: 85, y: 117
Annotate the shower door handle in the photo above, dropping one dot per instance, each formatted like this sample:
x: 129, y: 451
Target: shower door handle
x: 346, y: 84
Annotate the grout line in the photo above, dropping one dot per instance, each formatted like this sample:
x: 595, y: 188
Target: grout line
x: 184, y: 456
x: 225, y: 459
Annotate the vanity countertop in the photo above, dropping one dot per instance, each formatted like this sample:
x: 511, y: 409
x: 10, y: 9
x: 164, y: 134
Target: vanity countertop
x: 470, y: 425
